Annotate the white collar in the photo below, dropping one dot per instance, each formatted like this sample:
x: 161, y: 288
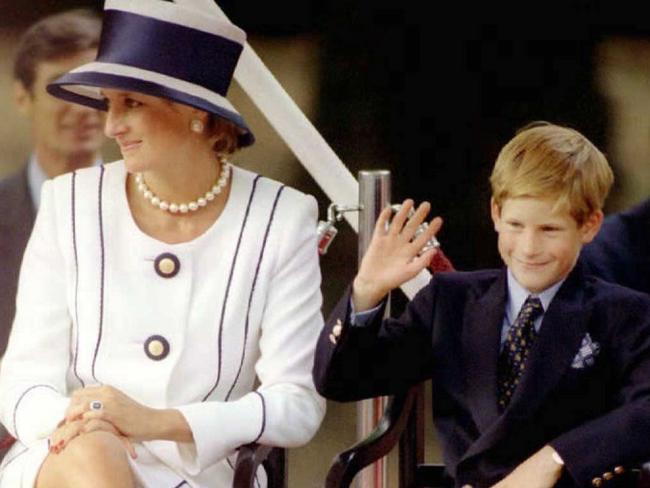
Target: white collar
x: 517, y: 295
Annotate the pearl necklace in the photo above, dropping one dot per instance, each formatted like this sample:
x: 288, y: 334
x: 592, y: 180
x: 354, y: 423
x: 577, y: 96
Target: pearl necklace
x: 192, y: 206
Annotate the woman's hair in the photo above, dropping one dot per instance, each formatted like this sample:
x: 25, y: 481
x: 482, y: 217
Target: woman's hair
x: 55, y: 37
x: 544, y: 160
x: 226, y: 132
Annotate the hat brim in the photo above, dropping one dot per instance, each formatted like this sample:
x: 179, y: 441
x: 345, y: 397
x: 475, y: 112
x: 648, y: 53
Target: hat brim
x: 82, y: 86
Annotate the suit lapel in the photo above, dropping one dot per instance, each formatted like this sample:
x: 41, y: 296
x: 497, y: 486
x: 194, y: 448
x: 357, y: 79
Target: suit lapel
x: 481, y: 342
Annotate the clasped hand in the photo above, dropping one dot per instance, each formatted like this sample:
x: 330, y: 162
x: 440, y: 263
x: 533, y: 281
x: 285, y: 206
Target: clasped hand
x: 394, y: 254
x: 119, y: 415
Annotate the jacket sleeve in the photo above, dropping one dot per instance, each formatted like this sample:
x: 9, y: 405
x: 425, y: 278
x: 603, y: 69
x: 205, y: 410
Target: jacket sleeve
x: 382, y: 357
x: 32, y: 378
x: 618, y: 438
x: 285, y: 410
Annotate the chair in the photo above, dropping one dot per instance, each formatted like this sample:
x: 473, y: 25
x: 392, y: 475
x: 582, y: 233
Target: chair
x: 403, y: 421
x: 249, y: 459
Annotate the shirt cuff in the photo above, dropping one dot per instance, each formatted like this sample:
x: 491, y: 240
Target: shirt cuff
x: 361, y: 319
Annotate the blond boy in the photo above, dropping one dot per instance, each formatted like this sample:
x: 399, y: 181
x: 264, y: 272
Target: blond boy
x: 540, y: 373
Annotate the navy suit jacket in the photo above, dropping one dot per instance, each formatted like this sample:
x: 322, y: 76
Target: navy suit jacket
x: 620, y: 253
x: 597, y: 417
x: 17, y: 216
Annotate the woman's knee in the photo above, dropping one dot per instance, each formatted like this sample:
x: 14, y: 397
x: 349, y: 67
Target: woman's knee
x: 98, y: 446
x: 95, y: 455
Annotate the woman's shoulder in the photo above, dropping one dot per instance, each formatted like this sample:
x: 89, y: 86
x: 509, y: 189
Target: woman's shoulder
x: 272, y: 191
x: 84, y: 176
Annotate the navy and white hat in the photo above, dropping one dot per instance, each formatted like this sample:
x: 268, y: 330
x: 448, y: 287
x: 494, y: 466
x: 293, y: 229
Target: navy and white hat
x: 183, y: 51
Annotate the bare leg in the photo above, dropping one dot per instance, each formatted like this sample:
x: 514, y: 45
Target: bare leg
x: 97, y: 459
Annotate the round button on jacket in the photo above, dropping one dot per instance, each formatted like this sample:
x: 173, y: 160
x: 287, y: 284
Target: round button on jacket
x: 167, y: 265
x: 156, y: 347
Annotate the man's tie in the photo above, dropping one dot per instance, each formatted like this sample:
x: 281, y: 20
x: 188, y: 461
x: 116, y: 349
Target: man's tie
x: 516, y: 347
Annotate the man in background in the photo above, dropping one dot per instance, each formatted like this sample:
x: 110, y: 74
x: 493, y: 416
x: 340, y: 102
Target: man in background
x: 64, y: 136
x: 621, y: 251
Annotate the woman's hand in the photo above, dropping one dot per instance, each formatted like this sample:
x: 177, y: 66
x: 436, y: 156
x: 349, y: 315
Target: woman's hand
x: 130, y: 418
x: 66, y: 432
x: 392, y: 256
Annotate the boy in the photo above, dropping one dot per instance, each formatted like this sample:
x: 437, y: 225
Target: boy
x: 540, y: 373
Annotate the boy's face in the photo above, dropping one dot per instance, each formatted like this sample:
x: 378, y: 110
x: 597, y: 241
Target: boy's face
x: 540, y: 245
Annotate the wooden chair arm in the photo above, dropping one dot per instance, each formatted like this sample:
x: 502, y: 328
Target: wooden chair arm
x: 248, y: 461
x: 380, y: 441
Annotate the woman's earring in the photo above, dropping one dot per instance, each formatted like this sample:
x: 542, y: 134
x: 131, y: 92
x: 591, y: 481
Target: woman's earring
x: 197, y: 126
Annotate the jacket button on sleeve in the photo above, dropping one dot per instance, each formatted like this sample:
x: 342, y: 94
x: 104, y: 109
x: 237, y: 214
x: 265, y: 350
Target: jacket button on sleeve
x: 337, y: 329
x: 608, y: 476
x: 156, y: 348
x: 167, y: 265
x: 619, y: 470
x: 597, y: 481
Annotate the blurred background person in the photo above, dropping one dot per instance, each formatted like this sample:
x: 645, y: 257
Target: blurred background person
x: 64, y: 136
x: 621, y: 251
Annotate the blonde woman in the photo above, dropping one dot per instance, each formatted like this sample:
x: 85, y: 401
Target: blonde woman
x: 158, y: 290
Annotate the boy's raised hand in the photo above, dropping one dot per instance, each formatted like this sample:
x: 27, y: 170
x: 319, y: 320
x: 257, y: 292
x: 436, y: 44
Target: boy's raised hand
x: 392, y: 256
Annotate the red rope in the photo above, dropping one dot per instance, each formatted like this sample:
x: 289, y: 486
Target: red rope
x: 440, y: 262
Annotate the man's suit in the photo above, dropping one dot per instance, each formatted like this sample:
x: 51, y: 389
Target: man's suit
x: 621, y: 251
x: 16, y: 221
x: 17, y: 216
x: 595, y: 412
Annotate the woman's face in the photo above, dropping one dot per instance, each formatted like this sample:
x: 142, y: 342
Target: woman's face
x: 152, y: 132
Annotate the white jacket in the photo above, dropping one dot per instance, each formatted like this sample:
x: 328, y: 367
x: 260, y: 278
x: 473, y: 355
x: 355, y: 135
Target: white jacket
x: 245, y: 303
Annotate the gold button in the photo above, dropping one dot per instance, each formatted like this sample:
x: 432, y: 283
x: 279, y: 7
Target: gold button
x: 156, y: 347
x: 332, y: 339
x: 597, y: 482
x: 336, y: 330
x: 468, y: 486
x: 619, y: 470
x: 608, y: 475
x: 166, y: 266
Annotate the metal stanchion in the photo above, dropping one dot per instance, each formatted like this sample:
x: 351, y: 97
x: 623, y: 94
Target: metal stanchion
x: 374, y: 196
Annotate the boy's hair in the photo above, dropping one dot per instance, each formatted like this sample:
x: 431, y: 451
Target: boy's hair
x: 55, y: 37
x: 547, y: 160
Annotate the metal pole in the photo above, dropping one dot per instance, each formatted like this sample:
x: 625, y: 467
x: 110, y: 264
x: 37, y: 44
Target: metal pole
x: 374, y: 196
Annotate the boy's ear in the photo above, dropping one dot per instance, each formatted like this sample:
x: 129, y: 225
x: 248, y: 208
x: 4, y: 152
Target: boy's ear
x: 22, y: 98
x: 495, y: 212
x: 591, y: 226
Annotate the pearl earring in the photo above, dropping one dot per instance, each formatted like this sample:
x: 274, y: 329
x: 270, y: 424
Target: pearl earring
x: 197, y: 126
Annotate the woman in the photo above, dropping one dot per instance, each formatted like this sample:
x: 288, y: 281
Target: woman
x: 156, y: 290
